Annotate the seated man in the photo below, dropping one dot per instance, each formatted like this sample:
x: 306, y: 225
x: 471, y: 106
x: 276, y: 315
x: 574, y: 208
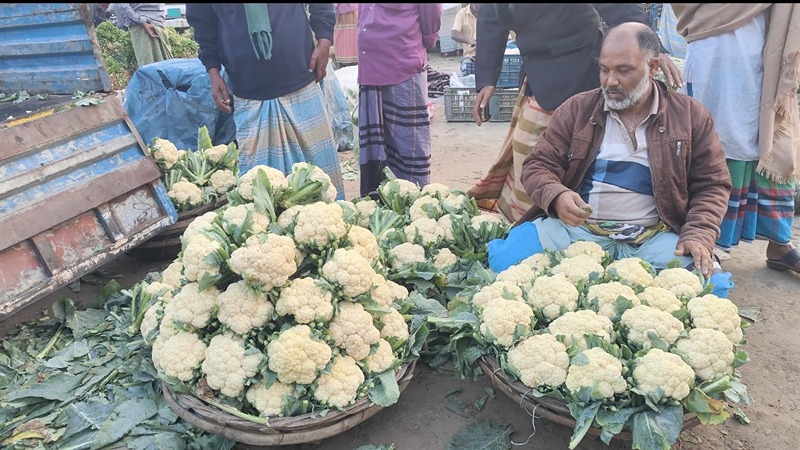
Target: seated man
x: 632, y: 166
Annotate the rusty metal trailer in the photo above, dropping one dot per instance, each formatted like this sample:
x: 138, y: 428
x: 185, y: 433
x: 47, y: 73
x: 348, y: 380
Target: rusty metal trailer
x: 77, y: 188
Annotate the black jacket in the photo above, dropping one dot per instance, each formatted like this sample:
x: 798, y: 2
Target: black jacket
x: 559, y: 44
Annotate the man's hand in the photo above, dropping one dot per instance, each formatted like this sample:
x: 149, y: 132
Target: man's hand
x: 481, y: 103
x: 671, y: 72
x: 150, y: 29
x: 703, y: 261
x: 571, y: 209
x: 219, y: 91
x: 319, y: 58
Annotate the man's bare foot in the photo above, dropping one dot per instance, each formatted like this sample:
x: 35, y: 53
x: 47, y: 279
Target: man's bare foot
x: 783, y: 257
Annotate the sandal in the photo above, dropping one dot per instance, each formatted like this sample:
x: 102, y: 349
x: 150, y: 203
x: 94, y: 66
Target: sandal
x: 787, y: 262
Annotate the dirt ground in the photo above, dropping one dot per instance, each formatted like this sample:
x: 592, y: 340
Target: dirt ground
x: 421, y: 421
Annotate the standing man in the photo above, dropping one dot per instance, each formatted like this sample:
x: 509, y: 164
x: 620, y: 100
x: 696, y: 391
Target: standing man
x: 464, y: 31
x: 393, y: 122
x: 145, y: 23
x: 345, y: 34
x: 742, y: 63
x: 559, y: 45
x: 274, y: 66
x: 630, y: 165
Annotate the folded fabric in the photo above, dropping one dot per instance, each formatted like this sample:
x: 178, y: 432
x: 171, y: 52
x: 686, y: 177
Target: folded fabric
x: 522, y: 241
x: 722, y: 284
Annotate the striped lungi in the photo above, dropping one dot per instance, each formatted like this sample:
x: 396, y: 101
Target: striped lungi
x: 758, y: 207
x: 287, y: 130
x: 345, y: 41
x: 148, y: 49
x: 500, y: 189
x: 395, y: 131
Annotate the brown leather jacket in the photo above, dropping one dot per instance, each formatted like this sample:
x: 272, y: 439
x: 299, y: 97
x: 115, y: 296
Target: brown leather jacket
x: 691, y: 182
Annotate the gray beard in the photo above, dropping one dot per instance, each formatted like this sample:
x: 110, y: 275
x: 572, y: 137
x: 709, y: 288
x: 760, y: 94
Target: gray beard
x: 636, y: 95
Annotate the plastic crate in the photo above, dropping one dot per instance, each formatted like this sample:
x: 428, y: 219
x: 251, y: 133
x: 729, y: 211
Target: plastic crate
x: 458, y: 104
x: 509, y: 72
x: 501, y: 106
x: 467, y: 68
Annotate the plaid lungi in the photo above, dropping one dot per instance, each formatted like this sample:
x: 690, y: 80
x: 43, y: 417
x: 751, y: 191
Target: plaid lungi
x: 287, y: 130
x: 758, y: 207
x: 345, y: 38
x: 500, y: 189
x: 148, y: 49
x: 395, y: 131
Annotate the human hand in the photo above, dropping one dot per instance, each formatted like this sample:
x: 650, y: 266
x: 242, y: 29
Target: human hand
x: 671, y: 72
x: 319, y: 59
x: 219, y: 91
x: 571, y: 209
x: 481, y: 103
x: 150, y: 29
x: 703, y: 260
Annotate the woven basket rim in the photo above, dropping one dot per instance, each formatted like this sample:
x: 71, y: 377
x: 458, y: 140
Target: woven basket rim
x: 300, y: 429
x: 551, y: 408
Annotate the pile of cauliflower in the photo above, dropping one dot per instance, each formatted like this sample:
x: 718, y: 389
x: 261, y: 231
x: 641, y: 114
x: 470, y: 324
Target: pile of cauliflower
x: 608, y: 336
x: 279, y: 302
x: 194, y: 178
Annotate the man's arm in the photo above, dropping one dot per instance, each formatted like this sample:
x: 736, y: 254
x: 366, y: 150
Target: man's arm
x: 430, y: 22
x: 458, y: 25
x: 203, y: 20
x: 322, y: 18
x: 709, y: 186
x: 492, y: 37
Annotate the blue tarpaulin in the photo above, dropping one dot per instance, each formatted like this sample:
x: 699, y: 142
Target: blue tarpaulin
x: 171, y: 99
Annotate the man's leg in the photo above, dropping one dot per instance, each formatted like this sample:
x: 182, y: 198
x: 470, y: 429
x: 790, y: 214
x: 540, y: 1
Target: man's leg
x: 659, y: 250
x: 407, y: 129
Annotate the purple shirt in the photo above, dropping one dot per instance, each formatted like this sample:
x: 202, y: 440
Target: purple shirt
x: 393, y: 39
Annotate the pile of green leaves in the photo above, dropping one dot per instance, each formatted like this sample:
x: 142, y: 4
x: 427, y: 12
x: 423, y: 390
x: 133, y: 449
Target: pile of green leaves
x: 84, y: 380
x: 117, y: 50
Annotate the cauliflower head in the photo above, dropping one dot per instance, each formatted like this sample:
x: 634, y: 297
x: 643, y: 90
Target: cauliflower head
x: 607, y: 294
x: 710, y: 311
x: 228, y: 364
x: 553, y: 295
x: 540, y: 360
x: 287, y: 219
x: 382, y: 292
x: 195, y: 258
x: 363, y: 241
x: 366, y: 207
x: 641, y: 320
x: 446, y: 223
x: 222, y: 181
x: 150, y: 322
x: 425, y: 206
x: 242, y: 308
x: 306, y: 300
x: 265, y: 264
x: 660, y: 298
x: 339, y: 388
x: 539, y: 262
x: 349, y: 270
x: 456, y: 203
x: 192, y: 306
x: 709, y: 352
x: 173, y: 274
x: 602, y: 373
x: 578, y: 267
x: 234, y: 218
x: 394, y: 326
x: 296, y: 356
x: 328, y: 193
x: 165, y: 152
x: 319, y: 225
x: 186, y: 194
x: 406, y: 253
x: 381, y: 360
x: 425, y: 231
x: 573, y: 326
x: 401, y: 188
x: 270, y: 401
x: 444, y: 258
x: 680, y: 281
x: 179, y: 356
x: 352, y: 329
x: 634, y: 272
x: 592, y: 249
x: 276, y: 178
x: 659, y: 369
x: 501, y: 319
x: 498, y: 289
x: 520, y: 274
x: 198, y: 226
x: 436, y: 189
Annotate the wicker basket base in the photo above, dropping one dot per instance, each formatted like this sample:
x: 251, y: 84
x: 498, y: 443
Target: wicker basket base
x: 281, y: 430
x: 548, y: 408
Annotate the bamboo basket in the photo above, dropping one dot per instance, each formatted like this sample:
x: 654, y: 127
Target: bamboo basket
x: 301, y: 429
x: 549, y: 408
x: 167, y: 244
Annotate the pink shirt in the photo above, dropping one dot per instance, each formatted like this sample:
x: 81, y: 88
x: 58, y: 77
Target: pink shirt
x: 393, y: 39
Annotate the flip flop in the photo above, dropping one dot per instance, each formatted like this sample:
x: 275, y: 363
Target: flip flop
x: 787, y: 262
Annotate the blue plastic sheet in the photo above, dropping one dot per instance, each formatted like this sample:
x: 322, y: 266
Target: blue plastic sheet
x: 171, y: 99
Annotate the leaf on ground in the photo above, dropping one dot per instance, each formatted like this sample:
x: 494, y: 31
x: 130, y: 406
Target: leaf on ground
x: 452, y: 392
x: 458, y: 406
x: 481, y: 402
x: 740, y: 416
x: 57, y: 387
x: 751, y: 314
x: 482, y: 435
x: 126, y: 416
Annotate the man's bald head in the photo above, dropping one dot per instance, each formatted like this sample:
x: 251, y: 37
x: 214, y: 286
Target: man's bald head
x: 634, y: 33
